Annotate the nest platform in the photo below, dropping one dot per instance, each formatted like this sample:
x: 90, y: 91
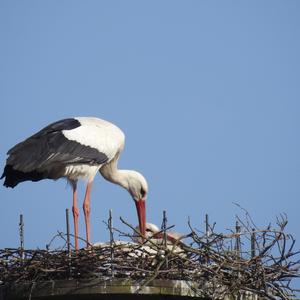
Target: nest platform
x: 247, y: 263
x: 113, y: 289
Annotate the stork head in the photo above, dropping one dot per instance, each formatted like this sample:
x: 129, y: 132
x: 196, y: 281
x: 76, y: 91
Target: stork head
x: 156, y: 235
x: 135, y: 184
x: 138, y: 188
x: 150, y: 229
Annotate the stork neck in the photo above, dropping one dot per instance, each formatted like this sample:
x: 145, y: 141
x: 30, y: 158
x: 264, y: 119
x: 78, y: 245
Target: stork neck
x: 111, y: 173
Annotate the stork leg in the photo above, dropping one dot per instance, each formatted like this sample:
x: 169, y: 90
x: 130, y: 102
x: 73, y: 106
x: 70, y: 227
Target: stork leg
x: 86, y: 210
x: 75, y: 214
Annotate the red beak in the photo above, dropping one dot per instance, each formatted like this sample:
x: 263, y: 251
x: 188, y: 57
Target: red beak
x: 141, y: 211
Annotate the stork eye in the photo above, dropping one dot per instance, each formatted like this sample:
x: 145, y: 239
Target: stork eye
x: 143, y: 193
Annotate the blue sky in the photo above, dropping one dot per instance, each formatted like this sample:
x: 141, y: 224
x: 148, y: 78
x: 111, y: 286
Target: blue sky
x: 207, y: 93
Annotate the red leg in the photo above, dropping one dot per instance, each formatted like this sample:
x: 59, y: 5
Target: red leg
x: 86, y: 209
x: 75, y: 214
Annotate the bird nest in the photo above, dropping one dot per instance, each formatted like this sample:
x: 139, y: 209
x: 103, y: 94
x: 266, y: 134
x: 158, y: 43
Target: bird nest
x: 248, y: 259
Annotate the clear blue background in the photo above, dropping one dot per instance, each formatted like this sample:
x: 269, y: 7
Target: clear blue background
x: 207, y: 93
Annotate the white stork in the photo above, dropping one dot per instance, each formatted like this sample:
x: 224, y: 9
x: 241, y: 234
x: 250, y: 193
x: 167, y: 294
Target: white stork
x: 152, y: 247
x: 76, y: 148
x: 153, y: 233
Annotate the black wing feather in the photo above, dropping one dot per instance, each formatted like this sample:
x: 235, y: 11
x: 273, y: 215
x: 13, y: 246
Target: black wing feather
x: 47, y: 153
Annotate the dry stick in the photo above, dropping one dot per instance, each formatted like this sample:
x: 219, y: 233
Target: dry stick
x: 149, y: 240
x: 248, y: 217
x: 145, y: 238
x: 59, y: 234
x: 157, y: 270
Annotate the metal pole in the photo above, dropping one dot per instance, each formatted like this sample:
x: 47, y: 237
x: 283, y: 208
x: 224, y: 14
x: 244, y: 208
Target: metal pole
x: 253, y: 238
x: 238, y: 250
x: 21, y: 233
x: 111, y: 241
x: 68, y: 243
x: 206, y: 227
x: 238, y: 239
x: 68, y: 231
x: 164, y: 228
x: 207, y: 233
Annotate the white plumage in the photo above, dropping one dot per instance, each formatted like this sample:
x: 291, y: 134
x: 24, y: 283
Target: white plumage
x: 99, y: 134
x: 153, y: 247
